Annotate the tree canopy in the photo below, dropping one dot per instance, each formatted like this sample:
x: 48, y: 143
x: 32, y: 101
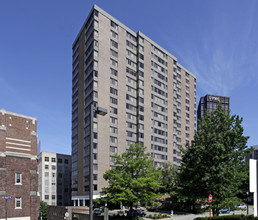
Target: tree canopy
x: 169, y: 178
x: 43, y: 210
x: 133, y: 180
x: 214, y: 162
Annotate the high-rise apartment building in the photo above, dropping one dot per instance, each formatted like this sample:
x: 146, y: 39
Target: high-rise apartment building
x: 149, y: 96
x: 18, y: 167
x: 55, y: 178
x: 209, y: 103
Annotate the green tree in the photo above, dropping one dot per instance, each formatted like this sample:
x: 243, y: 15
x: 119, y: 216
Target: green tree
x: 133, y: 180
x: 214, y: 162
x: 169, y: 178
x: 43, y: 210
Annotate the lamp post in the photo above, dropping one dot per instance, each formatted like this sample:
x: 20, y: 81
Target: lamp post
x: 99, y: 111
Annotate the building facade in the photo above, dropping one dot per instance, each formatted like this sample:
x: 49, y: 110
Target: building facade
x: 253, y: 155
x: 18, y: 166
x: 149, y: 96
x: 55, y: 178
x: 209, y: 103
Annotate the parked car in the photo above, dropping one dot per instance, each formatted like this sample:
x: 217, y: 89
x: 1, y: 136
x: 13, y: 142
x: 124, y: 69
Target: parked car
x: 224, y: 210
x: 242, y: 206
x: 153, y: 209
x: 98, y: 211
x: 137, y: 212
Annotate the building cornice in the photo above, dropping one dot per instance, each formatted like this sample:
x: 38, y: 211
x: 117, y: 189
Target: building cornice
x: 3, y: 111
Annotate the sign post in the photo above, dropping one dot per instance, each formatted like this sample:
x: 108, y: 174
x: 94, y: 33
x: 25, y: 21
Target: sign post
x: 6, y: 204
x: 210, y: 200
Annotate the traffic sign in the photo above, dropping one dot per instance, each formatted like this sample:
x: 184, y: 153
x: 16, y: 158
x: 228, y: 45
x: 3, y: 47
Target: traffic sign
x: 6, y: 197
x: 210, y: 198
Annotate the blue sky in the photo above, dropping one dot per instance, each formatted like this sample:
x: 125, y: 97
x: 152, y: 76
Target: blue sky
x: 217, y: 40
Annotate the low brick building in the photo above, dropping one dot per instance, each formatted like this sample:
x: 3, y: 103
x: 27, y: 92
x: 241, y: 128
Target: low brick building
x: 18, y: 167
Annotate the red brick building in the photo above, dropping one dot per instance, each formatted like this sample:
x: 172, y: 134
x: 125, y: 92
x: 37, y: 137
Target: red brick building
x: 18, y: 166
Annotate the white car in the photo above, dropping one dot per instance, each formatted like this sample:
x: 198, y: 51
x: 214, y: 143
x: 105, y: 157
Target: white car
x: 242, y: 206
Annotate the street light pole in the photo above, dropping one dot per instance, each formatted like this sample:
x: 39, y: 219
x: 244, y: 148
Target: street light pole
x: 100, y: 111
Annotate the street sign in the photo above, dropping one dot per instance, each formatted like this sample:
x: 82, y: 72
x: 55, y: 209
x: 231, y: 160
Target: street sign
x: 6, y: 197
x: 210, y: 198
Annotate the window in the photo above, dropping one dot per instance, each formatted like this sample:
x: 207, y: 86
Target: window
x: 113, y: 120
x: 113, y: 100
x: 141, y: 56
x: 113, y: 72
x: 53, y: 160
x: 60, y: 160
x: 46, y: 158
x: 113, y: 149
x: 95, y: 187
x: 113, y: 62
x: 66, y: 161
x: 113, y: 110
x: 47, y: 197
x: 46, y: 167
x: 113, y: 139
x: 113, y: 91
x: 131, y: 54
x: 114, y: 44
x: 113, y: 81
x: 18, y: 178
x: 95, y: 156
x: 114, y: 25
x: 128, y: 70
x: 132, y: 46
x: 130, y: 36
x: 131, y: 63
x: 114, y: 34
x: 113, y: 53
x: 18, y: 203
